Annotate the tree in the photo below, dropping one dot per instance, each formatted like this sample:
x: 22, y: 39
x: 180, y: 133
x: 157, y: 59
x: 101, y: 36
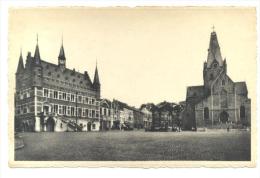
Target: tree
x: 177, y: 110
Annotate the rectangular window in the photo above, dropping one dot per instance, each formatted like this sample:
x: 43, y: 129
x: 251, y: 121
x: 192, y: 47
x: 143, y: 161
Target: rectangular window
x: 51, y: 94
x: 86, y: 112
x: 72, y: 97
x: 89, y: 114
x: 45, y: 92
x: 72, y: 111
x: 93, y: 101
x: 60, y: 95
x: 97, y: 114
x: 89, y: 101
x: 79, y: 111
x: 86, y: 100
x: 64, y: 96
x: 55, y: 108
x: 60, y: 109
x: 93, y: 113
x: 64, y: 110
x: 83, y: 112
x: 105, y: 111
x: 55, y: 94
x: 80, y: 99
x: 68, y: 97
x: 68, y: 110
x: 24, y: 95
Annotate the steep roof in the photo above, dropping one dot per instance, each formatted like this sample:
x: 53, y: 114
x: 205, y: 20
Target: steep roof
x: 214, y: 53
x: 67, y: 75
x: 37, y: 57
x: 96, y: 78
x: 241, y: 88
x: 20, y: 66
x: 62, y: 53
x: 105, y: 101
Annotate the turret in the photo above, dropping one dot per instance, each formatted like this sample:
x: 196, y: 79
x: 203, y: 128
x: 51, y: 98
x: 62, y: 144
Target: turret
x: 36, y: 67
x: 20, y: 67
x: 61, y: 57
x: 96, y: 83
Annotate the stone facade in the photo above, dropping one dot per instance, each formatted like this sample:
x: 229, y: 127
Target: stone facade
x: 50, y: 97
x: 220, y: 100
x: 106, y: 114
x: 147, y: 115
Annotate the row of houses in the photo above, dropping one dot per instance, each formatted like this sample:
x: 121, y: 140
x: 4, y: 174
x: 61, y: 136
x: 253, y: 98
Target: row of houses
x: 118, y: 115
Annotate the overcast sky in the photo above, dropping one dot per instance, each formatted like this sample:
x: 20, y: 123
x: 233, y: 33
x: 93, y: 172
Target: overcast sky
x: 143, y: 55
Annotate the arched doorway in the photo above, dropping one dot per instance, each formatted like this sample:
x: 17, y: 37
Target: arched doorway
x: 224, y: 116
x: 89, y: 126
x: 50, y: 125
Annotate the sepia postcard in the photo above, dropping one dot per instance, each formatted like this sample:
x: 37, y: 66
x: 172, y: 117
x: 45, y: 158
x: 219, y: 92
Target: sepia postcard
x: 132, y: 87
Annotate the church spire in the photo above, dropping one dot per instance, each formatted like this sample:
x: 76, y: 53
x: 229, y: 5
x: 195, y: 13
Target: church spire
x: 96, y: 82
x: 20, y: 66
x: 214, y: 54
x: 61, y: 57
x: 37, y: 57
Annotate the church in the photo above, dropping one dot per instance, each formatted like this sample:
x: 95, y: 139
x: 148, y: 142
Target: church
x: 52, y: 97
x: 220, y: 100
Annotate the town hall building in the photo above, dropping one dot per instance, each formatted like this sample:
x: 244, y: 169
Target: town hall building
x: 51, y: 97
x: 220, y: 100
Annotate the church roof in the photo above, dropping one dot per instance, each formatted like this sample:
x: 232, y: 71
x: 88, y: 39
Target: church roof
x: 214, y: 53
x: 241, y: 88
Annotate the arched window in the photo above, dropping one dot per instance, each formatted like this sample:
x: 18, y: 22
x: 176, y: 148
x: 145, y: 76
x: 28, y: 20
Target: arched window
x: 242, y: 112
x: 223, y: 99
x: 206, y: 113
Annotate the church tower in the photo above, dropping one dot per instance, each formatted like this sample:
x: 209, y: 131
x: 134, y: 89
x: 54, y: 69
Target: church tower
x: 214, y: 65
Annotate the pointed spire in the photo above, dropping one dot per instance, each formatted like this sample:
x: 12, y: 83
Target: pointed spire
x: 20, y: 66
x: 214, y: 53
x: 37, y: 57
x: 96, y: 78
x: 62, y: 53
